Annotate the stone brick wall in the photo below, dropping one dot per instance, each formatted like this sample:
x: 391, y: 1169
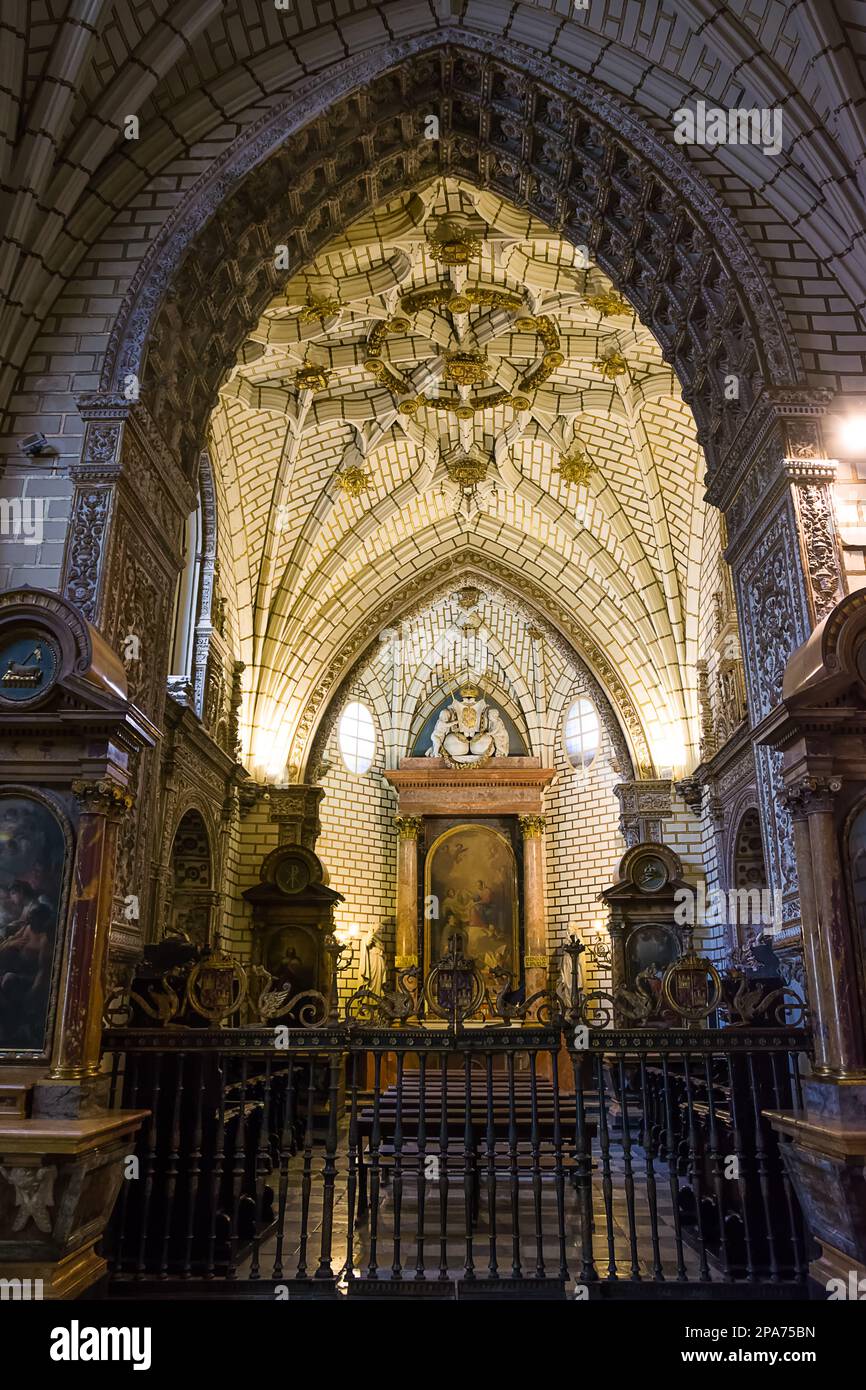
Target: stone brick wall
x: 358, y: 845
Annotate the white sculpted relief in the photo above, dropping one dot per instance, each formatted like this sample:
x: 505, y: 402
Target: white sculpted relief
x: 468, y: 731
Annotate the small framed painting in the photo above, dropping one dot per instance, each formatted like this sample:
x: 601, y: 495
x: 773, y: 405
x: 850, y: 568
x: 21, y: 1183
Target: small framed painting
x: 35, y: 868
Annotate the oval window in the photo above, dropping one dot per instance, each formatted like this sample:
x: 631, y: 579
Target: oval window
x: 357, y: 737
x: 582, y: 733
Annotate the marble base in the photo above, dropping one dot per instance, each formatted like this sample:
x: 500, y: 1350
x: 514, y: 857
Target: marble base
x: 59, y: 1180
x: 834, y: 1099
x: 70, y: 1100
x: 68, y: 1278
x: 825, y: 1159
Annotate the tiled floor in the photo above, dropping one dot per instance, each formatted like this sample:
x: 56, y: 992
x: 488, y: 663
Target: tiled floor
x: 372, y: 1239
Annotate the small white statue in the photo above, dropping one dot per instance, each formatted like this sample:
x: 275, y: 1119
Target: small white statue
x: 373, y: 963
x: 566, y: 977
x: 496, y: 727
x: 445, y: 724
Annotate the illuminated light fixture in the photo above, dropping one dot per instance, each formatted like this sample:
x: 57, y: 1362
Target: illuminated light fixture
x: 611, y: 366
x: 451, y: 244
x: 309, y: 377
x: 353, y: 480
x: 608, y: 304
x: 575, y: 467
x: 851, y: 434
x: 466, y: 367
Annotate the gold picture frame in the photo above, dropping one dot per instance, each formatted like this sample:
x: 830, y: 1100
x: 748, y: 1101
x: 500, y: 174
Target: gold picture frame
x: 473, y: 895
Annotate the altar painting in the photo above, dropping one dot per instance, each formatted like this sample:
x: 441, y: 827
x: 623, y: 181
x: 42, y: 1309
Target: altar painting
x: 471, y: 885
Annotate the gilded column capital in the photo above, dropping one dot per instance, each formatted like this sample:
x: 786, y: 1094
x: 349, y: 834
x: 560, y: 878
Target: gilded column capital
x: 811, y: 795
x: 103, y: 798
x: 408, y: 827
x: 531, y: 827
x: 405, y: 962
x: 536, y: 962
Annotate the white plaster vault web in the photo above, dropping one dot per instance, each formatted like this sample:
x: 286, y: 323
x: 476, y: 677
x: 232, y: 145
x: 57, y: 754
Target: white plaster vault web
x: 621, y: 553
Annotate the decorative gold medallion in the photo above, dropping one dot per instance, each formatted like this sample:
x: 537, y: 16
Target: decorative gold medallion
x: 309, y: 377
x: 353, y: 480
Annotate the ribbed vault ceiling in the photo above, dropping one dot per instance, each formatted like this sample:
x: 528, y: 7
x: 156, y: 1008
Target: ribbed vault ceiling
x: 318, y: 567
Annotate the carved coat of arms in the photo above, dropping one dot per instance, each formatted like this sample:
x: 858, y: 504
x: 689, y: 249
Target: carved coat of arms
x: 468, y: 731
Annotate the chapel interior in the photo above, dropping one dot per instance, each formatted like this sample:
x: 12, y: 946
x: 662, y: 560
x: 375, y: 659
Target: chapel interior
x: 432, y: 653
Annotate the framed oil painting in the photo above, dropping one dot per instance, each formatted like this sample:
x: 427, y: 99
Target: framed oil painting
x: 35, y: 864
x: 470, y: 874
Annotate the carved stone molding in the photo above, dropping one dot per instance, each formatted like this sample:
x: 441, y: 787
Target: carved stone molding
x: 296, y: 810
x: 644, y: 808
x: 691, y: 789
x: 814, y: 503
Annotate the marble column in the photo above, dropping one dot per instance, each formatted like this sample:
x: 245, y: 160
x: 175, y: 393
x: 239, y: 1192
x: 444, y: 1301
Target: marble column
x: 536, y: 959
x: 408, y: 830
x: 77, y: 1046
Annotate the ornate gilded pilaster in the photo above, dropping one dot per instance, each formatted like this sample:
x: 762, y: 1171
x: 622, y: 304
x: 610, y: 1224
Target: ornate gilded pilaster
x: 77, y: 1044
x: 408, y: 830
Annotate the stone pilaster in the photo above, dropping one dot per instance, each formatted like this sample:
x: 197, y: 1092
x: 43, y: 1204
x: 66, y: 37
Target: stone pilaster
x: 775, y: 490
x: 124, y: 550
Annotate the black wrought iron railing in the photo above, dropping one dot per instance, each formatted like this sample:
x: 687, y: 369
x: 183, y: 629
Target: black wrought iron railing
x: 542, y: 1160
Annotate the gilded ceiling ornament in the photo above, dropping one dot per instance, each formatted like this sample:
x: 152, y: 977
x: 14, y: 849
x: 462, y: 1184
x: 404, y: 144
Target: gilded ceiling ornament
x: 611, y: 366
x: 466, y: 367
x: 459, y: 302
x: 576, y: 466
x: 466, y: 469
x: 608, y: 303
x: 317, y: 307
x: 310, y: 377
x: 353, y: 480
x: 451, y: 244
x: 464, y: 410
